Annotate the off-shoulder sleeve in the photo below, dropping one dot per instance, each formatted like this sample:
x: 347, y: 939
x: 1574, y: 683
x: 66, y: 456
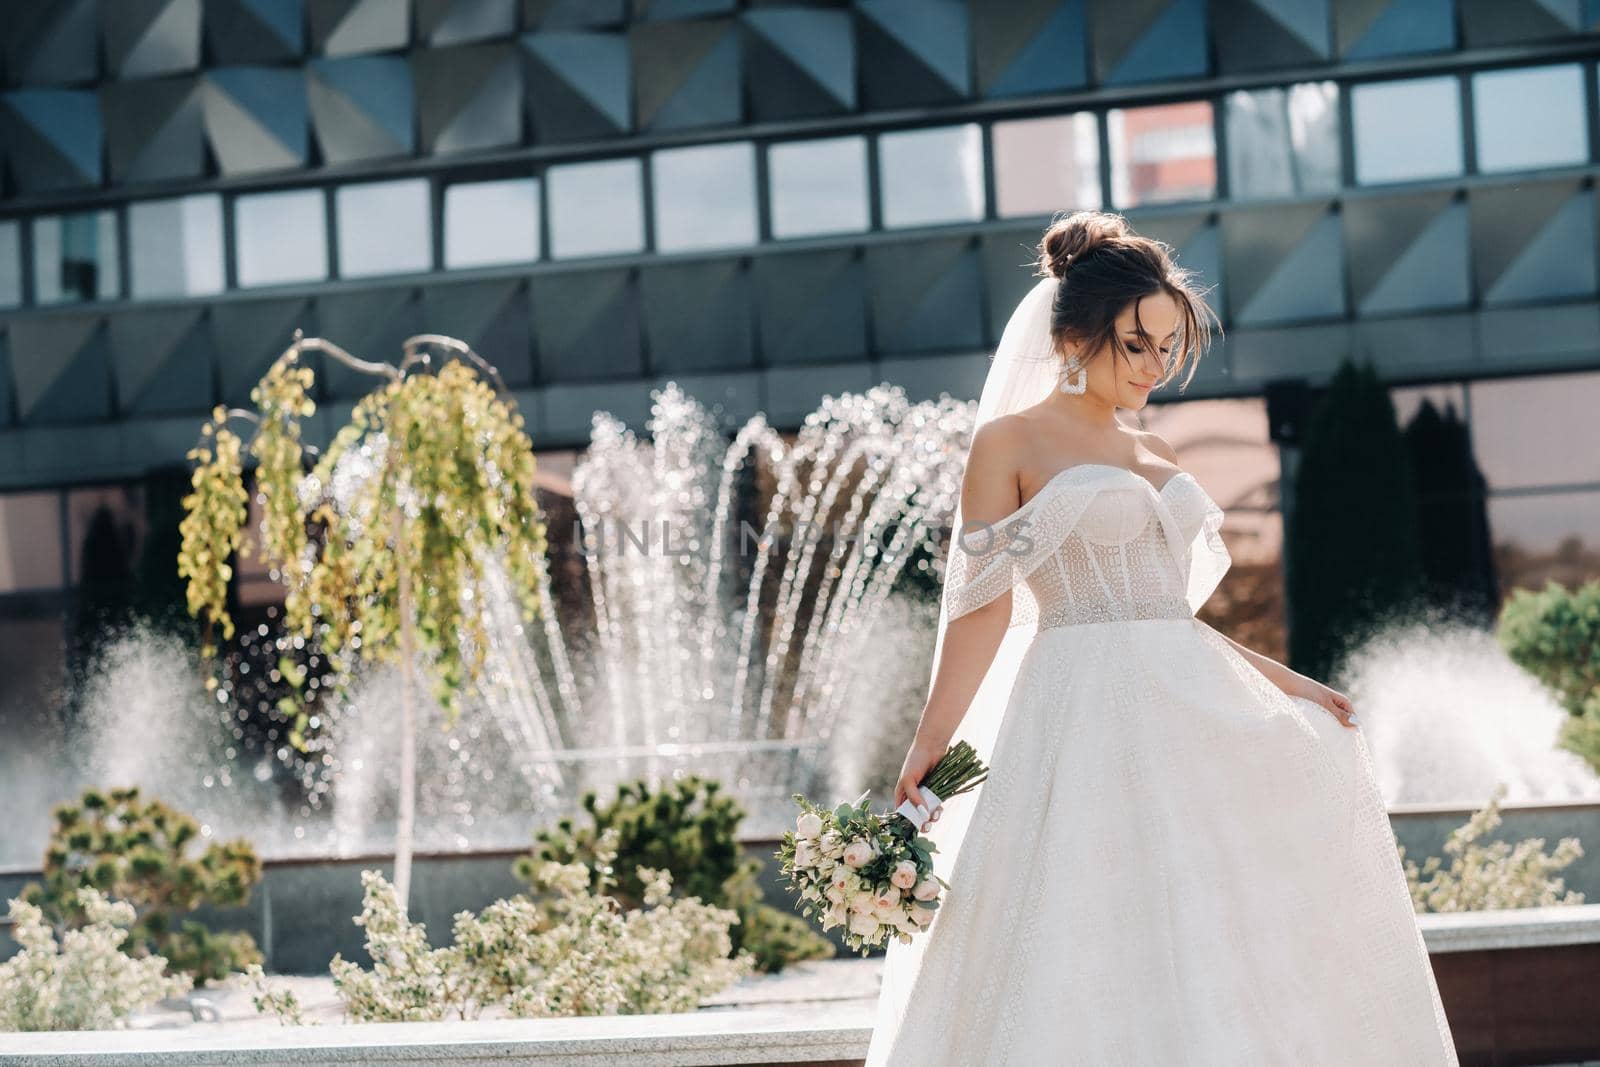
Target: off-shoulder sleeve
x: 1208, y: 556
x: 987, y: 559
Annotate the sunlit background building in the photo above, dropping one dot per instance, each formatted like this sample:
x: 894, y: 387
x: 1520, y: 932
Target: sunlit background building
x: 767, y: 203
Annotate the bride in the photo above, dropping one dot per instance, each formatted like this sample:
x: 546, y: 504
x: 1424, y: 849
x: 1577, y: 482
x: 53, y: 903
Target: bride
x: 1180, y: 855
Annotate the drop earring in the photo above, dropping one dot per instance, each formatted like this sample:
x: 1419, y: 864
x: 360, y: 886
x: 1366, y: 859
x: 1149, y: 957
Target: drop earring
x: 1074, y: 376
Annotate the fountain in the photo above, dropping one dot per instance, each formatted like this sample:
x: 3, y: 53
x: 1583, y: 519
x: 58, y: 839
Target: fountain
x: 726, y: 588
x: 1449, y: 715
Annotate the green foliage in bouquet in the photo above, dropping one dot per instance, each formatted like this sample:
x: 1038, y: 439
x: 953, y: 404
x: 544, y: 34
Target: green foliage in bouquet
x: 892, y: 839
x: 689, y: 830
x: 86, y: 982
x: 1493, y: 875
x: 136, y: 850
x: 1554, y: 634
x: 871, y: 872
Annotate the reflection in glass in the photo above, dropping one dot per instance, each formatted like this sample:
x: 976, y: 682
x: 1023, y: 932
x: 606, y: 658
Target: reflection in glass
x: 175, y: 246
x: 1407, y: 129
x: 1283, y: 142
x: 384, y: 228
x: 596, y: 208
x: 280, y: 237
x: 1530, y: 117
x: 75, y: 257
x: 10, y: 264
x: 705, y: 196
x: 1046, y: 165
x: 1227, y: 446
x: 1540, y: 537
x: 1538, y: 431
x: 30, y: 542
x: 1162, y: 153
x: 105, y: 543
x: 931, y: 176
x: 1408, y: 399
x: 491, y: 222
x: 818, y: 186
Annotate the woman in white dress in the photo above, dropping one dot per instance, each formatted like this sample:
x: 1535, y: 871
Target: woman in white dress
x: 1181, y: 854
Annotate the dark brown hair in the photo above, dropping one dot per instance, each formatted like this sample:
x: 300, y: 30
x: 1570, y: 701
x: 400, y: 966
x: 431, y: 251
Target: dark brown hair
x: 1102, y: 266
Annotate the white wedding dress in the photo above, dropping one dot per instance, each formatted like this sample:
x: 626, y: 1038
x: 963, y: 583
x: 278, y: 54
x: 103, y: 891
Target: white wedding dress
x: 1171, y: 861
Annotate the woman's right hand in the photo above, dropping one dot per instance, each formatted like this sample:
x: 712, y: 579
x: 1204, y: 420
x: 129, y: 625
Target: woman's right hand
x: 919, y: 761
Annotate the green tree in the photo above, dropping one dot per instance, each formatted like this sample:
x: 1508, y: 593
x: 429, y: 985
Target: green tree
x: 390, y: 566
x: 1354, y: 546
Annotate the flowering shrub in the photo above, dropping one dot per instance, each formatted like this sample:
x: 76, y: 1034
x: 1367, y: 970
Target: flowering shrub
x: 689, y: 828
x: 572, y: 951
x: 280, y: 1002
x: 85, y: 983
x: 1496, y: 875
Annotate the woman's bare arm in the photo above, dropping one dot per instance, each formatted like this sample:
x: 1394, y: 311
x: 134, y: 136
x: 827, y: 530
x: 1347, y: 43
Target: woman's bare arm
x: 989, y: 494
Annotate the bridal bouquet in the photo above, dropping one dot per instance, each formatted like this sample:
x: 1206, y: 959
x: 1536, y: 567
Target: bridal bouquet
x: 873, y: 872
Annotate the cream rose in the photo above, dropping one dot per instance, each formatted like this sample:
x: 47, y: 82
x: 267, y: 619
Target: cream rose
x: 922, y: 916
x: 865, y: 925
x: 862, y: 902
x: 808, y: 825
x: 858, y: 854
x: 804, y: 854
x: 905, y: 874
x: 927, y: 889
x: 887, y: 898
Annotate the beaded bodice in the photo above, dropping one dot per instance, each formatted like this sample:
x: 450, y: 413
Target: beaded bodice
x: 1116, y: 562
x: 1098, y: 543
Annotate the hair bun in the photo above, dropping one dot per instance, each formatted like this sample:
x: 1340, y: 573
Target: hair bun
x: 1071, y: 237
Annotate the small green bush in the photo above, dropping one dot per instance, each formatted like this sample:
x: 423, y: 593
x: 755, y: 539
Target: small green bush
x: 1554, y: 634
x: 135, y: 849
x: 688, y: 830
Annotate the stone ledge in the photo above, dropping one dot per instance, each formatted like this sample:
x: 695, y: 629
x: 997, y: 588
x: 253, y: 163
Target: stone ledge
x: 824, y: 1033
x: 1511, y: 928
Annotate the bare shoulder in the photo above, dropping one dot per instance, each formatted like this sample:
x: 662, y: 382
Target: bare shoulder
x: 989, y: 486
x: 1157, y: 444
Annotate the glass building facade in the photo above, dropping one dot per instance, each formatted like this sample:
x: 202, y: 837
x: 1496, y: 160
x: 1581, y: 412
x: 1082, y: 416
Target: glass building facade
x: 770, y: 202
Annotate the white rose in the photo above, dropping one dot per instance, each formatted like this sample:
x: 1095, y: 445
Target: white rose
x: 927, y: 889
x: 922, y: 916
x: 865, y: 925
x: 841, y: 878
x: 838, y: 915
x: 804, y: 854
x: 905, y: 874
x: 830, y: 841
x: 858, y: 854
x: 862, y: 902
x: 887, y: 898
x: 834, y: 893
x: 809, y: 824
